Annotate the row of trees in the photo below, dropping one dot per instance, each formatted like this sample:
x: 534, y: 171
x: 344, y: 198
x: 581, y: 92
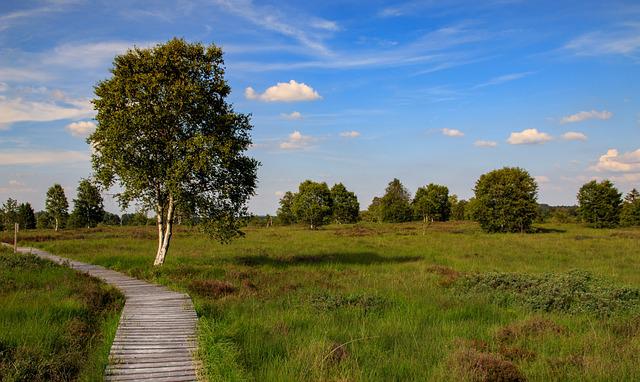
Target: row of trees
x: 505, y: 200
x: 315, y: 205
x: 88, y: 211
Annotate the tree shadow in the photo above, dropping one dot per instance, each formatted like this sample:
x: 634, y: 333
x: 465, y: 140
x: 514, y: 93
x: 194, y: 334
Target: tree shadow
x: 355, y: 258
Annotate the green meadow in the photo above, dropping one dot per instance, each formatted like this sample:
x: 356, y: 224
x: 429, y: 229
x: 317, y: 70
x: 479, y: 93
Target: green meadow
x: 55, y: 324
x: 374, y: 302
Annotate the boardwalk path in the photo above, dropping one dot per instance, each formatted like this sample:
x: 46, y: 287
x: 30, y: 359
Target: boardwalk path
x: 156, y: 336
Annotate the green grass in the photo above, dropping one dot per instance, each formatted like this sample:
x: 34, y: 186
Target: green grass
x: 387, y: 302
x: 55, y: 324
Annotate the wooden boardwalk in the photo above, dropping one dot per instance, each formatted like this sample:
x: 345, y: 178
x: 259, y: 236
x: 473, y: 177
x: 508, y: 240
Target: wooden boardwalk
x: 156, y: 337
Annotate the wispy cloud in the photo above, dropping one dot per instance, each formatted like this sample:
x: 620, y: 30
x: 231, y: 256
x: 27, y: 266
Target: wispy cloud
x: 81, y: 128
x: 587, y: 115
x: 20, y: 110
x: 273, y: 19
x: 350, y: 134
x: 502, y: 79
x: 482, y: 143
x: 293, y: 116
x: 14, y: 158
x: 452, y: 132
x: 90, y: 55
x: 621, y: 40
x: 11, y: 19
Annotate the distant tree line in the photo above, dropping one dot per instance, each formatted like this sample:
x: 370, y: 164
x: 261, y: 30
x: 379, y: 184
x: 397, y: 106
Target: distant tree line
x: 504, y: 200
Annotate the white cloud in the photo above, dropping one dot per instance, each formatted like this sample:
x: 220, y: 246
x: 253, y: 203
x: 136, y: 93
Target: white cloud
x: 586, y: 115
x: 22, y: 75
x: 482, y: 143
x: 13, y: 158
x: 528, y: 137
x: 293, y: 116
x: 279, y: 193
x: 614, y: 162
x: 297, y: 141
x: 20, y: 110
x: 92, y: 55
x: 291, y: 91
x: 574, y: 136
x: 541, y: 179
x: 350, y: 134
x: 81, y: 128
x: 452, y: 132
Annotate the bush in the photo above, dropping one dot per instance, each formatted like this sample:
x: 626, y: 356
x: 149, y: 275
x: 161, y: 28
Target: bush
x: 506, y: 200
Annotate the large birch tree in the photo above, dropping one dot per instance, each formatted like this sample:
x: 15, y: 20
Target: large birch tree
x: 166, y: 135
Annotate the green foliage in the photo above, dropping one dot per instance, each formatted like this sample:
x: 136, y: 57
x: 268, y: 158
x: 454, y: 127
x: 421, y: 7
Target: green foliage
x: 57, y: 206
x: 431, y: 203
x: 135, y: 219
x: 110, y: 219
x: 374, y: 212
x: 599, y: 204
x: 395, y: 205
x: 506, y: 200
x: 168, y: 137
x: 312, y: 204
x: 26, y: 216
x: 458, y: 208
x: 44, y: 220
x: 574, y: 292
x: 88, y: 209
x: 630, y: 215
x: 345, y: 204
x: 285, y: 212
x: 9, y: 214
x: 471, y: 210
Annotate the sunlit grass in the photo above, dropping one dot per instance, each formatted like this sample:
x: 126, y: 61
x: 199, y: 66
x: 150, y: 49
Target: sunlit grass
x: 380, y: 302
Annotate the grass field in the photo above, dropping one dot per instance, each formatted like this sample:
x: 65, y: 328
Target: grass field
x: 55, y: 324
x: 396, y: 302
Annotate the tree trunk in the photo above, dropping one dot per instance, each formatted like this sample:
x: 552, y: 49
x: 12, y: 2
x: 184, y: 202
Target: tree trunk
x: 56, y: 228
x: 164, y: 237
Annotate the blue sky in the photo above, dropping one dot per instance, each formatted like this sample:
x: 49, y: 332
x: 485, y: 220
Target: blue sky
x: 357, y: 92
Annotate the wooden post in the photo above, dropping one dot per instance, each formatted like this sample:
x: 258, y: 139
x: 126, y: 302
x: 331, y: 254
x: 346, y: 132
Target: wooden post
x: 16, y: 227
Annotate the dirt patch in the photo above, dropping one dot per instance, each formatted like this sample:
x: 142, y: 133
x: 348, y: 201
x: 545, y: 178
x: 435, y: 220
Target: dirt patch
x: 533, y: 327
x: 356, y: 232
x: 449, y: 275
x: 212, y: 288
x: 473, y: 365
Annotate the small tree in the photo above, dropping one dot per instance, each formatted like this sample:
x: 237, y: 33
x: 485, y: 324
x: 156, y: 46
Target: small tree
x: 599, y: 204
x: 457, y: 207
x: 285, y: 212
x: 88, y: 208
x: 26, y: 216
x: 506, y: 200
x: 57, y: 206
x: 43, y: 220
x: 10, y: 213
x: 630, y: 215
x: 110, y: 219
x: 312, y: 204
x: 374, y: 212
x: 345, y: 204
x: 431, y: 203
x: 167, y: 136
x: 395, y: 205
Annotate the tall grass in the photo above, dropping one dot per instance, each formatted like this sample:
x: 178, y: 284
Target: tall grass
x: 383, y: 302
x: 55, y: 324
